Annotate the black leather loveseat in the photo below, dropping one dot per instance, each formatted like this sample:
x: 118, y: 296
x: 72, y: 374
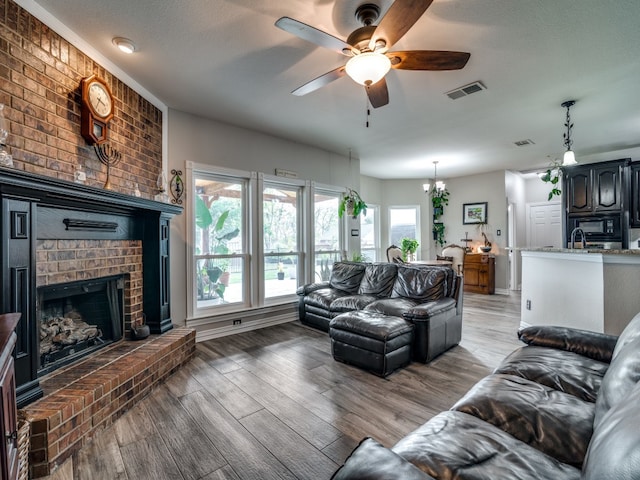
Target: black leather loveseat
x: 429, y: 297
x: 565, y: 406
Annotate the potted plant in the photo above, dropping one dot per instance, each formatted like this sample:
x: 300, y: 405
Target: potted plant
x: 438, y: 233
x: 280, y: 271
x: 552, y: 176
x: 217, y: 272
x: 439, y: 198
x: 409, y: 246
x: 352, y: 204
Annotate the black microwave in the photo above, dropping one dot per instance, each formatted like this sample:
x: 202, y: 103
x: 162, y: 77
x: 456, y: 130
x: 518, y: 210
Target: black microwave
x: 606, y: 228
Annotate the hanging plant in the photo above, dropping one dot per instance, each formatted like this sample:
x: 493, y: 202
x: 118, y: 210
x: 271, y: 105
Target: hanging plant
x: 552, y: 176
x: 439, y: 198
x: 438, y: 234
x: 352, y: 204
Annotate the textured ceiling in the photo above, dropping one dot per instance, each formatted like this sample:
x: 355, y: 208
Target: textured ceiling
x: 226, y: 60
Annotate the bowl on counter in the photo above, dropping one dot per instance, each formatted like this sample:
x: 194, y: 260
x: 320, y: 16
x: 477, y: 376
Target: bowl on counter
x: 485, y: 249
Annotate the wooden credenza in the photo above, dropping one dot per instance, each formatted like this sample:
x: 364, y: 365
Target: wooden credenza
x: 480, y: 273
x: 8, y: 412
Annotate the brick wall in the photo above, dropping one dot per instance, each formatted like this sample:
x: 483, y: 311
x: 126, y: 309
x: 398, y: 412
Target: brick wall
x: 60, y: 261
x: 40, y: 75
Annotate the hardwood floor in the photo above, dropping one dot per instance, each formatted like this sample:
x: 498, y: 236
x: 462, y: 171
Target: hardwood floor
x: 273, y: 404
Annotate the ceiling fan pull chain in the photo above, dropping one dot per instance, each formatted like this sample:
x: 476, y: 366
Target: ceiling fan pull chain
x: 367, y: 110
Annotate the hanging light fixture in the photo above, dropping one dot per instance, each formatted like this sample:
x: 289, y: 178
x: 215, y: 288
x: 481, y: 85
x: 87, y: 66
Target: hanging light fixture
x: 439, y: 185
x: 569, y: 157
x: 368, y: 68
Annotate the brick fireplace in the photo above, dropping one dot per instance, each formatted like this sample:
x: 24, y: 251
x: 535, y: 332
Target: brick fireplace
x: 58, y: 233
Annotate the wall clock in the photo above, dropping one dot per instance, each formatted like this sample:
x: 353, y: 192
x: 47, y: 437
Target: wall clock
x: 97, y: 109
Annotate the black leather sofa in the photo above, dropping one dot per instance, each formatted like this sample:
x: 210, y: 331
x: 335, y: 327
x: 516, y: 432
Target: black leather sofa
x: 429, y: 297
x: 565, y: 406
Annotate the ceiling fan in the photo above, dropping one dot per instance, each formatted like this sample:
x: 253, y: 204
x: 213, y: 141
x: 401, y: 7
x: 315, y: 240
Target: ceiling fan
x: 368, y: 47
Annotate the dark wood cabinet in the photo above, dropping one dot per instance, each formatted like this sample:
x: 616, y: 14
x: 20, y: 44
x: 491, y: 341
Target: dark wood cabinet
x: 634, y: 214
x: 595, y: 188
x: 480, y: 273
x: 578, y: 188
x: 8, y: 412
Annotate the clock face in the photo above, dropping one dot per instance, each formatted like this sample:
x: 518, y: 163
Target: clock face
x: 99, y: 99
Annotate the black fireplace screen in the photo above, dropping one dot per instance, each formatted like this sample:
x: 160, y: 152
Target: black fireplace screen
x: 78, y: 318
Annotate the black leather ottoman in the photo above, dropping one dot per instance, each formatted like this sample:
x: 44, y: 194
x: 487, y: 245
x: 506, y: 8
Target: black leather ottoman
x: 371, y: 340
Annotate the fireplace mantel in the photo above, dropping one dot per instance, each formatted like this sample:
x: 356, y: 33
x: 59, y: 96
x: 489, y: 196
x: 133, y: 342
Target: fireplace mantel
x: 36, y: 207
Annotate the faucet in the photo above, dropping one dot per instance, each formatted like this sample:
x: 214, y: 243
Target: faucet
x: 582, y: 236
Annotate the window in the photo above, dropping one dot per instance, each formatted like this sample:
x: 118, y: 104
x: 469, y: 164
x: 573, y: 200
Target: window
x: 220, y: 238
x: 253, y: 238
x: 281, y: 218
x: 370, y: 234
x: 327, y: 232
x: 403, y: 223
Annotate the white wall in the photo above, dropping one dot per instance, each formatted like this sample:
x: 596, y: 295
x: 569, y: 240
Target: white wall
x: 200, y: 140
x: 516, y: 189
x: 490, y: 188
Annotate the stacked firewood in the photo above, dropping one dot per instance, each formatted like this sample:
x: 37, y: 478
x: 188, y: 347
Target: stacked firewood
x: 58, y: 332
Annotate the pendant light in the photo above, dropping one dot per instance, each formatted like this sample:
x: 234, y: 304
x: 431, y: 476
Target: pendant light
x: 569, y: 157
x: 438, y: 184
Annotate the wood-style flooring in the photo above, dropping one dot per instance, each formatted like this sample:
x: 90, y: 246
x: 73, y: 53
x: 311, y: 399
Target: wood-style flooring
x: 273, y: 404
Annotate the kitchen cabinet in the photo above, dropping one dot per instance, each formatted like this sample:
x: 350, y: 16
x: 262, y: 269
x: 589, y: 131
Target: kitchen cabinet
x: 480, y: 273
x: 8, y: 411
x: 634, y: 214
x: 595, y: 188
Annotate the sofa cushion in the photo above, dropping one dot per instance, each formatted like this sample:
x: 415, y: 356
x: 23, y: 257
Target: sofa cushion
x: 454, y: 445
x: 349, y: 303
x: 370, y: 461
x: 621, y: 377
x: 346, y: 276
x: 565, y: 371
x: 630, y: 333
x: 423, y: 284
x: 551, y: 421
x: 378, y: 279
x: 392, y: 306
x: 613, y: 453
x: 323, y: 298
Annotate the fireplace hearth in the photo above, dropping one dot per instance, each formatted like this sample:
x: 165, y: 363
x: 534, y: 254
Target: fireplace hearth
x: 77, y: 319
x: 58, y: 232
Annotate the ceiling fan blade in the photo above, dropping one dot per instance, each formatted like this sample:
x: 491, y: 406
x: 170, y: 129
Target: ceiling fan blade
x: 400, y: 17
x: 320, y: 81
x: 378, y: 93
x: 428, y: 60
x: 313, y: 35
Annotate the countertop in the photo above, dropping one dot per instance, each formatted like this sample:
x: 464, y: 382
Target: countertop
x: 602, y: 251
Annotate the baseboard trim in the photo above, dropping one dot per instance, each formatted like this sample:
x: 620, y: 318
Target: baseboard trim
x: 224, y: 330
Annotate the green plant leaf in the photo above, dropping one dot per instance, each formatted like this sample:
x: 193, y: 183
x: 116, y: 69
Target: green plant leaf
x: 203, y: 215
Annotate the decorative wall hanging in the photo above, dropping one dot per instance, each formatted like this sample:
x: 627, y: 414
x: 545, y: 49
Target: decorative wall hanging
x: 176, y: 186
x: 474, y: 213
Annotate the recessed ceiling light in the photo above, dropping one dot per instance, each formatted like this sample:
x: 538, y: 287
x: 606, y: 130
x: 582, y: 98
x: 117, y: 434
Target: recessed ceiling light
x: 124, y: 44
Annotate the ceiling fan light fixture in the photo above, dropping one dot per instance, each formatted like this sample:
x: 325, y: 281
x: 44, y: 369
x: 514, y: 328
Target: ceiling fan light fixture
x: 368, y: 68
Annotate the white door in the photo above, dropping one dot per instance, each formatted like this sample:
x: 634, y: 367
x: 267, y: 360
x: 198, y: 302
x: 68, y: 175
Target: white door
x: 544, y: 225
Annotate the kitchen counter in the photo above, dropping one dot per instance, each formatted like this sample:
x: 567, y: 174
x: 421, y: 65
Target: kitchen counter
x: 603, y: 251
x: 592, y: 289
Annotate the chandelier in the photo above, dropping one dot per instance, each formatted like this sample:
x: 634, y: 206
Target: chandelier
x: 438, y: 184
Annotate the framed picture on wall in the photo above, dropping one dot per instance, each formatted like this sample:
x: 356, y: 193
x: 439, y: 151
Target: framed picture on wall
x: 474, y: 213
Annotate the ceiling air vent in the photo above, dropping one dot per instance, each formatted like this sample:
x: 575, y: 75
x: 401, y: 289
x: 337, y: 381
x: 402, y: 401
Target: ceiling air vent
x: 522, y: 143
x: 465, y: 90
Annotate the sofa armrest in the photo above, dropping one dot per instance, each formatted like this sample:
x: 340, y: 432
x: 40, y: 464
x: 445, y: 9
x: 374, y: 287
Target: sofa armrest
x: 311, y: 287
x: 598, y: 346
x: 425, y: 311
x: 372, y: 461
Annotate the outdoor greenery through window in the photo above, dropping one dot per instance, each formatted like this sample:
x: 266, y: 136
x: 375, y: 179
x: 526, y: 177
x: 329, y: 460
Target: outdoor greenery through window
x: 370, y: 234
x: 219, y: 262
x: 281, y: 238
x: 327, y: 230
x: 403, y: 223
